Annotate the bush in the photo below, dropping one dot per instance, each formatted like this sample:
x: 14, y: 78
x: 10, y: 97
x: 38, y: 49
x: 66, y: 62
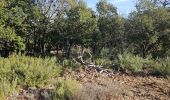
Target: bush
x: 161, y: 66
x: 65, y: 89
x: 71, y: 64
x: 109, y: 53
x: 133, y: 63
x: 103, y: 62
x: 7, y: 88
x: 27, y: 71
x: 130, y: 62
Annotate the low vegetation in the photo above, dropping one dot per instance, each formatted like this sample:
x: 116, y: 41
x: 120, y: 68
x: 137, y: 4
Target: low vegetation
x: 70, y: 63
x: 65, y: 89
x: 130, y: 62
x: 161, y: 66
x: 106, y: 63
x: 40, y: 39
x: 135, y: 63
x: 104, y: 91
x: 25, y: 71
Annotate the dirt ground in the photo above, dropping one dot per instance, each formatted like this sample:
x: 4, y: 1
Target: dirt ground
x: 123, y: 87
x: 103, y: 86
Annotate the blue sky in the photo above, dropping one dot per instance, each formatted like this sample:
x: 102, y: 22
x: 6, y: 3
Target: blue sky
x: 123, y: 6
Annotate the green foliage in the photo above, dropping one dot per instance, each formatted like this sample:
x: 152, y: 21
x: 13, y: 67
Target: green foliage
x: 7, y: 33
x: 2, y: 3
x: 12, y: 19
x: 106, y: 63
x: 111, y: 26
x: 109, y: 53
x: 106, y: 9
x: 27, y: 70
x: 71, y: 64
x: 130, y: 62
x: 81, y: 25
x: 39, y: 27
x: 147, y: 32
x: 105, y: 53
x: 7, y: 88
x: 161, y: 66
x: 9, y: 40
x: 79, y: 13
x: 65, y: 89
x: 143, y: 5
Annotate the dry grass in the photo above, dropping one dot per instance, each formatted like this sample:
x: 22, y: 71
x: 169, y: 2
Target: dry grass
x: 105, y: 91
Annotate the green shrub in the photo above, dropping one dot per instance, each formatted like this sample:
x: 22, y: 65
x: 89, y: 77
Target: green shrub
x: 71, y: 64
x: 65, y: 89
x: 130, y: 62
x: 161, y: 66
x: 7, y: 88
x: 104, y: 53
x: 27, y: 71
x: 103, y: 62
x: 109, y: 53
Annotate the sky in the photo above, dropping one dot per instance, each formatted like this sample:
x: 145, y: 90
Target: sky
x: 124, y: 7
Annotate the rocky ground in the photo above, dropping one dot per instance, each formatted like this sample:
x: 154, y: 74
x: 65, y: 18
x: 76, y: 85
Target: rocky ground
x: 115, y: 86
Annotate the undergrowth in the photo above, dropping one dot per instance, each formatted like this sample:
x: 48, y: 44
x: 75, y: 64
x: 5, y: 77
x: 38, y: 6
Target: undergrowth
x: 135, y: 63
x: 65, y: 89
x: 25, y: 71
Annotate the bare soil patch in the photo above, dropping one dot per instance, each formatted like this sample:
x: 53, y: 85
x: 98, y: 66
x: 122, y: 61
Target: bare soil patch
x: 120, y: 86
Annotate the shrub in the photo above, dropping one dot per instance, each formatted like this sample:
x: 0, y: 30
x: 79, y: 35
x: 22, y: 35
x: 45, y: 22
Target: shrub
x: 65, y: 89
x: 103, y: 62
x: 34, y: 71
x: 161, y: 66
x: 130, y: 62
x: 104, y: 53
x: 109, y: 53
x: 71, y: 64
x: 27, y: 71
x: 134, y: 63
x: 7, y: 88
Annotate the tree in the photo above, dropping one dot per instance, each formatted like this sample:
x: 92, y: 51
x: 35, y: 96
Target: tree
x: 163, y: 3
x: 111, y: 26
x: 147, y: 31
x: 143, y: 5
x: 81, y: 25
x: 106, y: 9
x: 9, y: 40
x: 51, y: 11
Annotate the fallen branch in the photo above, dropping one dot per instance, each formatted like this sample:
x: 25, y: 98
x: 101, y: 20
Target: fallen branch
x: 91, y: 66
